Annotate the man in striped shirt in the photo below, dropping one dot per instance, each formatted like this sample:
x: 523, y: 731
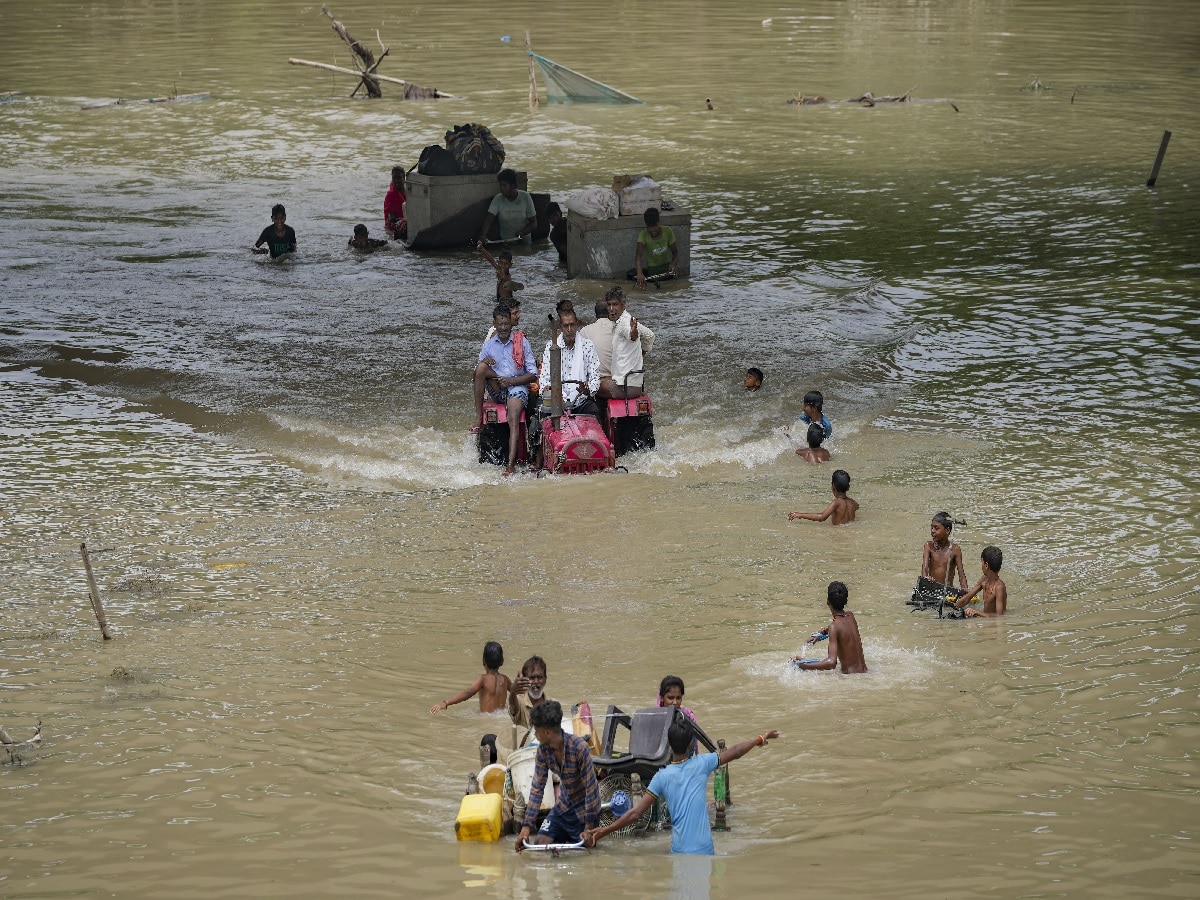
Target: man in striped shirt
x: 578, y: 805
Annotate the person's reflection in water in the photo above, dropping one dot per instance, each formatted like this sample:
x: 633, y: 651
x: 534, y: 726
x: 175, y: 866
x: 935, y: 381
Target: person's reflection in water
x: 693, y: 874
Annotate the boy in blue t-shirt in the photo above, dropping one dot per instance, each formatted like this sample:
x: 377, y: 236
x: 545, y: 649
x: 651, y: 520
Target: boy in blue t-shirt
x: 683, y: 786
x: 814, y: 404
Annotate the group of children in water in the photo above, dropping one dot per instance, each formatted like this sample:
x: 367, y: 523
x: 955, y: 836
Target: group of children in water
x: 940, y: 555
x: 575, y: 816
x: 279, y: 238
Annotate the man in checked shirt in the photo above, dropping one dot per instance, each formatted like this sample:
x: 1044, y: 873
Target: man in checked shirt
x: 578, y: 805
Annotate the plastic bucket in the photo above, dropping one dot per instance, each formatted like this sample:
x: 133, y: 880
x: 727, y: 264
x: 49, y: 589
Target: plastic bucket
x: 491, y: 779
x: 521, y: 764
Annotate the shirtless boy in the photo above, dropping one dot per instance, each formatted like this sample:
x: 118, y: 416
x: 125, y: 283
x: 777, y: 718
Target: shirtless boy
x: 941, y: 558
x: 844, y: 641
x: 492, y: 687
x: 995, y: 594
x: 841, y: 509
x: 814, y: 452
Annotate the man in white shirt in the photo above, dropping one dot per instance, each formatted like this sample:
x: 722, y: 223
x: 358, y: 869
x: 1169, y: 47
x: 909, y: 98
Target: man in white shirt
x: 600, y: 334
x: 579, y: 362
x: 631, y: 340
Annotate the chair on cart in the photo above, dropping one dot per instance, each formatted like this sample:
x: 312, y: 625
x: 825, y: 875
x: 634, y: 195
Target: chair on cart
x: 636, y: 746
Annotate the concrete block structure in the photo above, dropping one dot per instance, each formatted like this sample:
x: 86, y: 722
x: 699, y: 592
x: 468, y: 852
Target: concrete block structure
x: 448, y: 210
x: 606, y: 249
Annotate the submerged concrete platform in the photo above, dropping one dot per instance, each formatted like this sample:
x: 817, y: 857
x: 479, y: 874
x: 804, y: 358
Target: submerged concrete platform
x: 447, y: 211
x: 606, y: 249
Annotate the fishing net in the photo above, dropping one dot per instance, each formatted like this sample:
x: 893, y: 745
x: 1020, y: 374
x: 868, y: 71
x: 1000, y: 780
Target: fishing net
x: 565, y: 85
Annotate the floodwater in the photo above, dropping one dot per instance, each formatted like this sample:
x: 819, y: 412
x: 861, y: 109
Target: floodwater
x: 301, y: 554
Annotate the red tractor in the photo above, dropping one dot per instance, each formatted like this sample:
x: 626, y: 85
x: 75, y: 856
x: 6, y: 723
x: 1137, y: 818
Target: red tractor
x: 570, y: 441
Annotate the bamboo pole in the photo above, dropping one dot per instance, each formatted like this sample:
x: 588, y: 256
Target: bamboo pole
x: 533, y: 91
x: 1162, y: 151
x: 97, y: 606
x: 344, y: 71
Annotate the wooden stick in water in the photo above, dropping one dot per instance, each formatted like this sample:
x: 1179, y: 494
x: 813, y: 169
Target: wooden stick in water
x: 95, y: 592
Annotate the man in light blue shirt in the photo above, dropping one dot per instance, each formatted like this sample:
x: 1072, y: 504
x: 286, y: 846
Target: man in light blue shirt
x: 683, y: 786
x: 507, y: 370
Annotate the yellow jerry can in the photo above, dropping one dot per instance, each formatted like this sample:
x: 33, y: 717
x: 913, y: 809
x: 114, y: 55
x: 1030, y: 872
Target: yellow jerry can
x: 479, y: 818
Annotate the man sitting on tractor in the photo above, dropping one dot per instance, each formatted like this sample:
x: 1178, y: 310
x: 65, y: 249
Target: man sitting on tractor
x: 507, y: 371
x: 579, y: 364
x: 630, y: 340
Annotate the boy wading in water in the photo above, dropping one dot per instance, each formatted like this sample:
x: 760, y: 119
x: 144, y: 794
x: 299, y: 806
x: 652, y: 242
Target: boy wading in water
x: 682, y: 785
x: 941, y: 558
x: 492, y: 686
x: 995, y: 594
x: 814, y: 452
x: 279, y: 237
x: 841, y: 509
x: 845, y: 645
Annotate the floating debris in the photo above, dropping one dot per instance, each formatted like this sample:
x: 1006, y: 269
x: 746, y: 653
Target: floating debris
x: 14, y: 747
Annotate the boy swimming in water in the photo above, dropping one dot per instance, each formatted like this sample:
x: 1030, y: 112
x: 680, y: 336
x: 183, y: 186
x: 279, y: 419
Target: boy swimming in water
x: 995, y: 594
x: 841, y: 509
x: 363, y: 241
x: 845, y: 644
x: 492, y: 687
x: 814, y: 404
x: 753, y: 379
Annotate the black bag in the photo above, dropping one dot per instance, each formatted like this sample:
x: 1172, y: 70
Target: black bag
x: 476, y: 149
x: 437, y: 160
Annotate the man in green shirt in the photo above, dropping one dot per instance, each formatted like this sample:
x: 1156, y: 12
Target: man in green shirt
x: 656, y: 252
x: 512, y: 209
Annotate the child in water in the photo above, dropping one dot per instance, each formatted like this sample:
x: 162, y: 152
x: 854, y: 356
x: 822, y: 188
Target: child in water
x: 394, y: 206
x: 841, y: 509
x: 814, y: 405
x: 941, y: 559
x: 814, y: 452
x: 670, y: 693
x: 362, y: 241
x: 502, y: 263
x: 995, y: 594
x: 278, y: 236
x: 492, y: 687
x: 845, y: 644
x: 753, y: 379
x: 558, y: 230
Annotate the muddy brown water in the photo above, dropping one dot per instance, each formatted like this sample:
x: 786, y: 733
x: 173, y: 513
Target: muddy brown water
x: 302, y: 555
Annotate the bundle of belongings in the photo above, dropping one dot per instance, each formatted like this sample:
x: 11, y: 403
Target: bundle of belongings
x: 476, y: 149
